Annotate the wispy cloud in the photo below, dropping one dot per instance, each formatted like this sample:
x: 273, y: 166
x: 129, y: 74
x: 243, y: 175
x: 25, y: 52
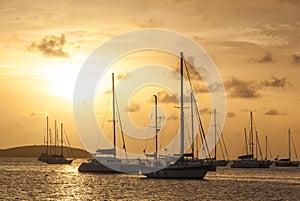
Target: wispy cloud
x: 166, y: 97
x: 296, y: 59
x: 276, y: 82
x: 250, y: 89
x: 134, y: 107
x: 267, y: 58
x: 231, y: 114
x: 35, y: 114
x: 205, y: 111
x: 242, y: 89
x: 52, y: 46
x: 273, y: 112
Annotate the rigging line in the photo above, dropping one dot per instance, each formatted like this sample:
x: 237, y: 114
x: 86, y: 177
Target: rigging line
x: 198, y: 115
x: 103, y: 122
x: 269, y: 148
x: 294, y: 147
x: 202, y: 133
x: 121, y: 128
x: 68, y: 144
x: 258, y: 144
x: 222, y: 141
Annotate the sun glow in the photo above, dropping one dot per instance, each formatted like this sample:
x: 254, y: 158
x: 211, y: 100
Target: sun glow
x: 62, y: 81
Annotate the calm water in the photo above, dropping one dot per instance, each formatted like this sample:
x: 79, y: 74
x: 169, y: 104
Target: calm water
x: 27, y: 179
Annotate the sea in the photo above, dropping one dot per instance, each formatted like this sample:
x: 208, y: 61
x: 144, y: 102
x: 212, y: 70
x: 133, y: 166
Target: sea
x: 29, y: 179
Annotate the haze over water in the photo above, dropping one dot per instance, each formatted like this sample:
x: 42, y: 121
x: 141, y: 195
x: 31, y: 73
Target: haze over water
x: 27, y: 179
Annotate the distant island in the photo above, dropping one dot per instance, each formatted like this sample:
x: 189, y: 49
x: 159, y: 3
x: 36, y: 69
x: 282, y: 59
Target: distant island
x: 35, y: 150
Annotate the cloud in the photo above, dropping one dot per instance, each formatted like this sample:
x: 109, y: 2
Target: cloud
x: 52, y: 46
x: 231, y: 114
x: 166, y: 97
x: 296, y: 59
x: 275, y: 82
x: 265, y: 59
x: 242, y: 89
x: 173, y: 117
x: 273, y: 112
x: 35, y: 114
x: 133, y: 107
x: 205, y: 111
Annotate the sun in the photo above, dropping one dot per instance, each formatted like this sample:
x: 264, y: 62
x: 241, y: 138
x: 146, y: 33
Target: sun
x: 62, y: 81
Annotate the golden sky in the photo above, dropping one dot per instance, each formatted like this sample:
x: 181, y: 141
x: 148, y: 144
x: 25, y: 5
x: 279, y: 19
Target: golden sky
x: 254, y: 44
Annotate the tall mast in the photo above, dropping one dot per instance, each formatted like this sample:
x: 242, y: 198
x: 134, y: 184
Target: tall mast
x: 47, y: 133
x: 181, y: 107
x: 246, y: 141
x: 55, y: 136
x: 114, y: 113
x: 156, y: 147
x: 215, y: 125
x: 62, y: 139
x: 192, y: 119
x: 289, y: 135
x: 251, y: 133
x: 266, y: 147
x: 50, y: 141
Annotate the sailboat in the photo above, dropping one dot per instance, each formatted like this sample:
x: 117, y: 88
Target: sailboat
x: 286, y: 162
x: 54, y: 158
x: 105, y: 160
x: 187, y: 166
x: 248, y: 160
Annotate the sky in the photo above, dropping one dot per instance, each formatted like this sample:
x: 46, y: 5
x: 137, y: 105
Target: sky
x: 254, y: 44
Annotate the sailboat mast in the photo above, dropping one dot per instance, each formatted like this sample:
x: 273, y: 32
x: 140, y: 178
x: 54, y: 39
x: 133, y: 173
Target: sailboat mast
x: 50, y: 141
x: 192, y: 119
x: 215, y: 125
x: 47, y: 133
x: 114, y: 113
x: 246, y: 141
x: 251, y: 133
x: 55, y: 136
x: 181, y: 107
x: 289, y: 133
x: 266, y: 147
x: 156, y: 145
x: 62, y: 139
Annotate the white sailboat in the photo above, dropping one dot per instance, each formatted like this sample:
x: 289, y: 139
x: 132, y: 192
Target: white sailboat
x: 248, y: 160
x: 187, y: 166
x: 286, y: 162
x: 105, y: 160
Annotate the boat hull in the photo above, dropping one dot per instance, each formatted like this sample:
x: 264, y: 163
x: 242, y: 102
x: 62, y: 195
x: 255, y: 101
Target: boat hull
x: 286, y: 164
x: 179, y: 173
x: 250, y: 164
x: 222, y: 162
x: 186, y: 169
x: 98, y: 167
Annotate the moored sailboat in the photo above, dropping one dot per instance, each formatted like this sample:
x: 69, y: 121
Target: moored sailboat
x: 106, y: 160
x: 286, y: 162
x: 187, y: 166
x: 55, y: 157
x: 248, y: 160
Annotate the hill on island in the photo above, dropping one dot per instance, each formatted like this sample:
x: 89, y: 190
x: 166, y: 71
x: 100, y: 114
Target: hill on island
x: 36, y: 150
